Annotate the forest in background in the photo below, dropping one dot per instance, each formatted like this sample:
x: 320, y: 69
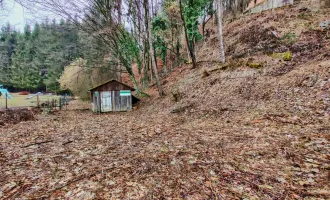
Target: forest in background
x: 35, y: 58
x: 101, y: 40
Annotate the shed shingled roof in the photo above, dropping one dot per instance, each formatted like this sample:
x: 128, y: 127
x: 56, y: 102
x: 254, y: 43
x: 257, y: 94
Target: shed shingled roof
x: 109, y: 82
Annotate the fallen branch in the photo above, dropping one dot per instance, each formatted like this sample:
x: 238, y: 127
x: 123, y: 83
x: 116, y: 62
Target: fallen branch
x: 68, y: 142
x: 37, y: 143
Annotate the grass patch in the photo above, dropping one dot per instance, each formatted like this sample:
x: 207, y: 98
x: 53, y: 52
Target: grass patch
x: 305, y: 16
x: 289, y: 38
x: 19, y: 100
x: 286, y: 56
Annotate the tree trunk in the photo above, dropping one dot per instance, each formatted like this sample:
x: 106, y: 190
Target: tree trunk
x: 152, y: 9
x: 327, y: 3
x: 156, y: 7
x: 188, y: 54
x: 136, y: 87
x: 152, y: 55
x: 119, y: 2
x: 150, y: 68
x: 236, y: 8
x: 189, y: 46
x: 145, y: 78
x: 177, y: 51
x: 220, y: 16
x: 119, y: 11
x: 214, y: 8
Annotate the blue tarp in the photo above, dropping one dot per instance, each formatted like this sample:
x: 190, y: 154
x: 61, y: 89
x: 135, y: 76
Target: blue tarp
x: 4, y: 92
x: 34, y: 95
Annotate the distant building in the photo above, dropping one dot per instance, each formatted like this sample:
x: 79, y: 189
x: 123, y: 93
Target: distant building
x: 112, y: 96
x: 256, y: 6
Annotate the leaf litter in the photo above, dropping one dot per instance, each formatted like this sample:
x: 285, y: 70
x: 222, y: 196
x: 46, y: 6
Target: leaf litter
x: 145, y: 154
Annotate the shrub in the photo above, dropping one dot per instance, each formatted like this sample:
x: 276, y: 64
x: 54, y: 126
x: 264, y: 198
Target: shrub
x: 255, y: 65
x: 176, y: 95
x: 286, y: 56
x: 289, y: 38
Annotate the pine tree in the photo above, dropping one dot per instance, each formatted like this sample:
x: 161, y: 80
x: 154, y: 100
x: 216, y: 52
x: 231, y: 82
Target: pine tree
x: 8, y: 40
x: 25, y: 71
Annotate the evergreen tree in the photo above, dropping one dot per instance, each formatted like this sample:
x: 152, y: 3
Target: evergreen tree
x: 25, y: 71
x: 8, y: 40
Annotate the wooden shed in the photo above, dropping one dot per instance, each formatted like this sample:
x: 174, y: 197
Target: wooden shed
x: 112, y: 96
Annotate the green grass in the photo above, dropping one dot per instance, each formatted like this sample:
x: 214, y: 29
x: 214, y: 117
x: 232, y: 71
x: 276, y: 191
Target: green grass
x: 19, y: 100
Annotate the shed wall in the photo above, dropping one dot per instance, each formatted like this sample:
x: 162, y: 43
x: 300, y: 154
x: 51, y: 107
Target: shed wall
x: 118, y: 103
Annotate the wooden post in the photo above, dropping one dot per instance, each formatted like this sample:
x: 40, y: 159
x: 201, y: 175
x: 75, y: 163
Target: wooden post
x: 38, y: 105
x: 60, y: 103
x: 6, y: 101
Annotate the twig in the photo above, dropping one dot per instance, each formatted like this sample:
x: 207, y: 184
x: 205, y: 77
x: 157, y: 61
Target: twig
x: 90, y: 175
x: 68, y: 142
x: 37, y: 143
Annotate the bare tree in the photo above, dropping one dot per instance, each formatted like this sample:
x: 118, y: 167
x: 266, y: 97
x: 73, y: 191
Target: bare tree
x: 189, y: 45
x: 327, y: 3
x: 151, y: 49
x: 221, y: 42
x: 101, y: 19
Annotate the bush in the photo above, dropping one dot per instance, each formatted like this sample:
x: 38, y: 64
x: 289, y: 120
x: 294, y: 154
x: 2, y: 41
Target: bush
x: 176, y: 95
x: 24, y: 93
x: 286, y: 56
x: 255, y: 65
x: 289, y: 38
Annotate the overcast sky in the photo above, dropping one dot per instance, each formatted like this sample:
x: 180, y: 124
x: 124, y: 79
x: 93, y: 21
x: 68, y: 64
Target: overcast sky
x: 14, y: 14
x: 18, y: 16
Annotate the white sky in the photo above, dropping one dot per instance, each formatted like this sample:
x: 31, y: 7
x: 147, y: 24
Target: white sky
x: 13, y: 13
x: 18, y: 16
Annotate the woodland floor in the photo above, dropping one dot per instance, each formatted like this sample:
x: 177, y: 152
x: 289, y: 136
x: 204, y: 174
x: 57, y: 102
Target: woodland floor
x: 75, y: 154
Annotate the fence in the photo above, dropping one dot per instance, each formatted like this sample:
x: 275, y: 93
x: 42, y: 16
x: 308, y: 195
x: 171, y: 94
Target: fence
x: 54, y: 104
x: 47, y: 103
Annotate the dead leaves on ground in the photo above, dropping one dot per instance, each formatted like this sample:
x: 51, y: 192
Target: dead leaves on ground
x: 134, y: 156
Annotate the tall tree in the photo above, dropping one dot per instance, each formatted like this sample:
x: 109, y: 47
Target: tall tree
x: 188, y: 42
x: 25, y: 71
x: 8, y: 42
x: 191, y: 11
x: 151, y: 49
x: 221, y: 42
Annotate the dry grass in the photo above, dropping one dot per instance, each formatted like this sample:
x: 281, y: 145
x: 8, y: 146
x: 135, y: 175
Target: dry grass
x: 20, y: 100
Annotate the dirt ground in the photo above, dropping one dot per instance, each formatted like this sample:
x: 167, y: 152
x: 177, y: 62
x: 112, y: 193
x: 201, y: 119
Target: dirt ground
x: 75, y: 154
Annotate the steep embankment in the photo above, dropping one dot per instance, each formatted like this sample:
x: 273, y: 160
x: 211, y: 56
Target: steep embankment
x: 275, y: 61
x: 270, y: 103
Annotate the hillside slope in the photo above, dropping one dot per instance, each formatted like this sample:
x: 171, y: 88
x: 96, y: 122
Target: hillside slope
x: 270, y: 122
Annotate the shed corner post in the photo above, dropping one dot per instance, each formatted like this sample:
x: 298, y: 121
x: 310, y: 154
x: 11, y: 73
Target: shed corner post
x: 38, y: 104
x: 130, y: 102
x: 92, y: 101
x: 100, y: 103
x: 6, y: 101
x: 112, y: 101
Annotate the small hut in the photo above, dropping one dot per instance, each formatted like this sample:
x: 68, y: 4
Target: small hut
x: 112, y: 96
